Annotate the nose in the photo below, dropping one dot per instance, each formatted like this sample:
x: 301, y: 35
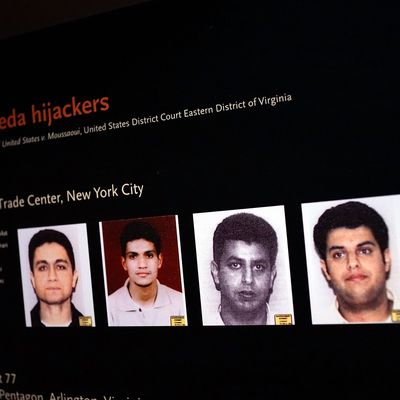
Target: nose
x: 142, y: 263
x: 52, y: 276
x: 352, y: 261
x: 247, y: 275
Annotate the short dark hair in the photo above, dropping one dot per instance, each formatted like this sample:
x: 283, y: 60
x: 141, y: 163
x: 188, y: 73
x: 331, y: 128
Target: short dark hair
x: 50, y: 236
x: 139, y: 230
x: 351, y: 215
x: 249, y: 228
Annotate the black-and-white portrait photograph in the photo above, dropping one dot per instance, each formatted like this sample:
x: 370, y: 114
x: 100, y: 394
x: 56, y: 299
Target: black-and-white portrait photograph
x: 243, y: 267
x: 56, y: 278
x: 352, y: 250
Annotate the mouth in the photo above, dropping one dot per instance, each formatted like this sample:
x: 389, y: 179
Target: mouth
x: 246, y: 294
x: 142, y: 274
x: 356, y: 278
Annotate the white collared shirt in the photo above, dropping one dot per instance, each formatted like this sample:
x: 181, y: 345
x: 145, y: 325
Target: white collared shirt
x: 333, y: 315
x: 123, y: 311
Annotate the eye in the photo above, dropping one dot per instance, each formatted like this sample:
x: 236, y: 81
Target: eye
x: 234, y: 265
x: 365, y: 251
x: 259, y: 267
x: 61, y: 267
x: 337, y: 255
x: 42, y: 267
x: 131, y: 256
x: 150, y: 255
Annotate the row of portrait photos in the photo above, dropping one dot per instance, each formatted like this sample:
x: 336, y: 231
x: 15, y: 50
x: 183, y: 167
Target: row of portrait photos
x: 352, y: 254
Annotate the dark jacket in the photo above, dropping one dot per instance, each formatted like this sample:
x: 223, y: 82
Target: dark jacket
x: 36, y: 322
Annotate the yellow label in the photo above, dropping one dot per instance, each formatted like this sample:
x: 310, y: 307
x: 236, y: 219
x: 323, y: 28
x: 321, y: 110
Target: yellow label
x: 283, y: 319
x: 395, y: 315
x: 177, y: 320
x: 85, y: 321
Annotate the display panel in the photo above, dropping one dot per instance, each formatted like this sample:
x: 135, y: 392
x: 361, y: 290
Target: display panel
x: 158, y: 111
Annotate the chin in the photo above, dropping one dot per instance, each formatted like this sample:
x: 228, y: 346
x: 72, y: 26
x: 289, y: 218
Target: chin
x: 143, y: 285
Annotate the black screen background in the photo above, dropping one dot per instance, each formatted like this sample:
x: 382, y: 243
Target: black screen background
x: 336, y: 139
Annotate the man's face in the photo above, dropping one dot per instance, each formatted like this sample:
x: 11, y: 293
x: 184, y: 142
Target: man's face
x: 53, y: 278
x: 244, y: 276
x: 355, y: 266
x: 142, y: 262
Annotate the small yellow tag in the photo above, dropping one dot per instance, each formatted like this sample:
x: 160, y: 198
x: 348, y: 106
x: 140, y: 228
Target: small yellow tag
x: 395, y: 315
x: 177, y: 320
x: 85, y: 321
x: 283, y: 319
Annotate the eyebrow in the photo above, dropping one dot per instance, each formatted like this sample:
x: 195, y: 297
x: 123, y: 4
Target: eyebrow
x: 234, y: 258
x: 367, y: 242
x: 62, y: 260
x: 135, y: 253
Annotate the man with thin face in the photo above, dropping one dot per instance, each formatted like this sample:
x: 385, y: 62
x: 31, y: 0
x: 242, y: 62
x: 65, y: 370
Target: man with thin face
x: 352, y: 241
x: 143, y: 300
x: 54, y: 278
x: 243, y: 269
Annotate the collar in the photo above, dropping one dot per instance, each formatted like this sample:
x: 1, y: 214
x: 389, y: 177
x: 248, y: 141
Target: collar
x: 389, y: 295
x: 36, y: 321
x: 128, y: 304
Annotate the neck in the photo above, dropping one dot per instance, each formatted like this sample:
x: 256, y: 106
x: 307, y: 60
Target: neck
x: 231, y: 316
x: 378, y: 311
x: 145, y: 296
x: 54, y: 314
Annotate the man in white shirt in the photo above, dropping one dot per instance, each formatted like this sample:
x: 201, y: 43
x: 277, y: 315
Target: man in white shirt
x: 352, y: 241
x: 143, y: 300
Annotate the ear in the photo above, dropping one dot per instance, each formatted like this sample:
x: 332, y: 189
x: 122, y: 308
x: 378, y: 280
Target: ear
x: 215, y: 274
x: 387, y: 257
x: 123, y: 262
x: 32, y: 278
x: 75, y: 279
x: 272, y: 281
x: 273, y: 276
x: 160, y: 260
x: 324, y: 269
